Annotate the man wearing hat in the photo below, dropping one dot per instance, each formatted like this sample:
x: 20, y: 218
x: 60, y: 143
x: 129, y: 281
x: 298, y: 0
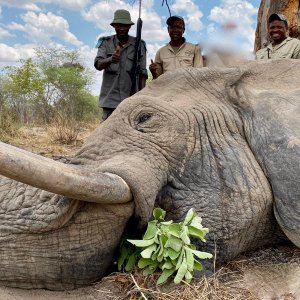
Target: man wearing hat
x: 281, y: 45
x: 115, y: 56
x: 177, y: 53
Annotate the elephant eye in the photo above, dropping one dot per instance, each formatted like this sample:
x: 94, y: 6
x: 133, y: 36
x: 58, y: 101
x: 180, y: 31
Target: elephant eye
x: 143, y: 118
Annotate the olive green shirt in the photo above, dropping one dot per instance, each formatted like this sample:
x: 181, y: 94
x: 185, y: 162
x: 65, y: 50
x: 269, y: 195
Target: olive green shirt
x: 289, y: 48
x: 117, y: 80
x: 187, y: 55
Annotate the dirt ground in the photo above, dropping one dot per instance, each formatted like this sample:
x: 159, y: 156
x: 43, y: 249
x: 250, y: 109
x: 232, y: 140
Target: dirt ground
x: 268, y: 274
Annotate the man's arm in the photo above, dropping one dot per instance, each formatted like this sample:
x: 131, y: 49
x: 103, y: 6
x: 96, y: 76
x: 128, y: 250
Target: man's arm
x: 101, y: 61
x: 198, y: 60
x: 153, y: 68
x: 159, y: 64
x: 296, y: 54
x: 156, y: 66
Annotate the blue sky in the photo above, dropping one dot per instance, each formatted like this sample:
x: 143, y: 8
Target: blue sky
x: 77, y: 24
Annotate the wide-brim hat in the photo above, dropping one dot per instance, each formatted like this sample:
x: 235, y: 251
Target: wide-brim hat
x: 122, y: 16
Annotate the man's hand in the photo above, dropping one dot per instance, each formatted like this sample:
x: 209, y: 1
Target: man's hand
x: 115, y: 58
x: 153, y: 69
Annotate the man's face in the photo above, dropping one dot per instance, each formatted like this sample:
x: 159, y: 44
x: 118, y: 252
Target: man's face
x: 176, y: 30
x: 121, y: 29
x: 277, y: 31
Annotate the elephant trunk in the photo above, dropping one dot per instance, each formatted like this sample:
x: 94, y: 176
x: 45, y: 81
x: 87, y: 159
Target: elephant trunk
x: 67, y: 180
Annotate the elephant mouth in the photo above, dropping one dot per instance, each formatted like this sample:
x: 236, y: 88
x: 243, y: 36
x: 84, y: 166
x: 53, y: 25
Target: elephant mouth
x: 144, y: 182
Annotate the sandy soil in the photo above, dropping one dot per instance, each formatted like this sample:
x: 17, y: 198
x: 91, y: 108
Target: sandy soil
x: 280, y: 281
x: 100, y: 291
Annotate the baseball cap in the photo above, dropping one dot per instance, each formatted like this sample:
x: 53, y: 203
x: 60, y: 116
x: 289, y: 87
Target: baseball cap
x: 171, y: 19
x: 279, y: 17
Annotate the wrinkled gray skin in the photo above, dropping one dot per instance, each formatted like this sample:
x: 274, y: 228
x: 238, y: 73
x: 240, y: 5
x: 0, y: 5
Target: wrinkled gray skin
x: 223, y: 141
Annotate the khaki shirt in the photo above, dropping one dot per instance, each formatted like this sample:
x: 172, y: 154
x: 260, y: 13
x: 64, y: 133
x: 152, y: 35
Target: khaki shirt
x: 116, y: 83
x: 289, y: 48
x: 188, y: 55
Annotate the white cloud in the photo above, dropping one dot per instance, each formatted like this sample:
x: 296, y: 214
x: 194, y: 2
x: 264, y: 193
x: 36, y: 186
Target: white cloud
x: 211, y: 28
x: 87, y: 56
x: 101, y: 14
x: 4, y: 33
x: 152, y: 49
x: 42, y: 28
x: 191, y: 13
x: 32, y: 5
x: 238, y: 13
x: 70, y: 4
x: 11, y: 54
x: 22, y: 4
x: 153, y: 30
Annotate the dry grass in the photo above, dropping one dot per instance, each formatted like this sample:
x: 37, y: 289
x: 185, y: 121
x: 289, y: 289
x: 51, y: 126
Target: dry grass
x: 225, y: 284
x: 40, y: 140
x: 250, y: 277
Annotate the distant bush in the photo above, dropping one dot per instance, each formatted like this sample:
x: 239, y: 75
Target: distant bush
x: 65, y: 130
x: 9, y: 123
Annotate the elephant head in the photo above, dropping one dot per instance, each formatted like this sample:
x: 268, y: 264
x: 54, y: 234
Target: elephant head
x: 224, y: 141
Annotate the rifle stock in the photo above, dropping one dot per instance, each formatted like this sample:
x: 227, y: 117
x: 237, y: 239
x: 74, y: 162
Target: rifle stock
x: 136, y: 70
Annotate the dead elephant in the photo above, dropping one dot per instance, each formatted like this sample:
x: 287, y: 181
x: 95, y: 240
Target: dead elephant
x: 224, y: 141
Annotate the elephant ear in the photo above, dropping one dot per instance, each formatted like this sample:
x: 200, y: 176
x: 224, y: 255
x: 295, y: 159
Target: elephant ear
x: 267, y: 97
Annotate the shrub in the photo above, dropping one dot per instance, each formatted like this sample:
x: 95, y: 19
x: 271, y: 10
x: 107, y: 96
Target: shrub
x: 166, y: 246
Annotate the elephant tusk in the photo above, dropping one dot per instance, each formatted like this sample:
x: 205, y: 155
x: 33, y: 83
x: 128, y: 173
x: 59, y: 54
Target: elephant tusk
x: 68, y: 180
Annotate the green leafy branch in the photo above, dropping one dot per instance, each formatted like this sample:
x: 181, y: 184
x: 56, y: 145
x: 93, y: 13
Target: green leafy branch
x: 166, y: 246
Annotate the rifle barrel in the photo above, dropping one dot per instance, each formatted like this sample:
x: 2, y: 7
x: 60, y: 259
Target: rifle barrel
x: 137, y: 58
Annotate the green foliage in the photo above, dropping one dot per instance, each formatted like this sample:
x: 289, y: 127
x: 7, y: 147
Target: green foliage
x: 26, y: 79
x: 22, y: 88
x: 9, y: 120
x: 166, y: 246
x: 150, y: 78
x: 50, y: 89
x: 67, y: 83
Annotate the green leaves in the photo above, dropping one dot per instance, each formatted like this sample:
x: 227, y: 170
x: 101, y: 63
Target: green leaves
x: 167, y: 246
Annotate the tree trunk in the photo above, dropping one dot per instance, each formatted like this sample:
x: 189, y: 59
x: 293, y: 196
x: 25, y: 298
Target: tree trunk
x: 290, y: 8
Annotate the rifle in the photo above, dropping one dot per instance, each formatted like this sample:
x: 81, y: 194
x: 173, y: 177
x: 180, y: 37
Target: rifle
x: 136, y: 69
